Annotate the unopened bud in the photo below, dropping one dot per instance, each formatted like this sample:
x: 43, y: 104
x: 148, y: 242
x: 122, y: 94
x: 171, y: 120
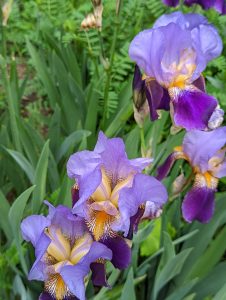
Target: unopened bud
x: 178, y: 184
x: 93, y: 20
x: 6, y: 10
x: 96, y: 2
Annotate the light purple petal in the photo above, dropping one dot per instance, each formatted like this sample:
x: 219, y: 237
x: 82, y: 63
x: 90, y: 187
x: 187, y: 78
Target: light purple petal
x: 87, y: 186
x: 82, y: 163
x: 185, y: 21
x: 198, y: 205
x: 74, y: 275
x: 113, y: 156
x: 71, y: 226
x: 220, y: 171
x: 38, y: 269
x: 200, y: 146
x: 32, y: 227
x: 141, y: 163
x: 193, y: 109
x: 120, y: 250
x: 145, y: 188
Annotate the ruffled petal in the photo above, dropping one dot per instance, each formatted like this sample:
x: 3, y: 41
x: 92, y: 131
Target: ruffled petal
x: 201, y: 146
x: 74, y: 275
x: 145, y: 188
x: 38, y: 270
x: 192, y: 108
x: 32, y: 227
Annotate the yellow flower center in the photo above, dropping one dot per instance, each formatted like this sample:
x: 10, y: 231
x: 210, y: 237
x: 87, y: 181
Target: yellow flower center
x: 62, y: 252
x: 104, y: 204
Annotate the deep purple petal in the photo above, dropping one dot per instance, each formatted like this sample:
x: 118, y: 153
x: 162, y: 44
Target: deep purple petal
x: 145, y: 188
x: 193, y: 109
x: 171, y: 2
x: 45, y: 296
x: 74, y: 194
x: 139, y: 97
x: 158, y: 98
x: 198, y: 205
x: 99, y: 274
x: 165, y: 168
x: 200, y: 84
x: 134, y: 222
x: 200, y: 146
x: 32, y: 228
x: 74, y: 275
x: 120, y: 250
x: 220, y: 6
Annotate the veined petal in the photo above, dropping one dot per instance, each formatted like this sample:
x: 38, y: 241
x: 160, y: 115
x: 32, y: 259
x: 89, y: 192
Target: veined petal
x: 121, y: 251
x: 198, y: 204
x: 130, y: 199
x: 74, y: 275
x: 32, y: 228
x: 201, y: 146
x: 192, y: 108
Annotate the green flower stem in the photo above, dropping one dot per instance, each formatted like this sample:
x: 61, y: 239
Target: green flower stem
x: 9, y: 95
x: 142, y: 140
x: 112, y: 54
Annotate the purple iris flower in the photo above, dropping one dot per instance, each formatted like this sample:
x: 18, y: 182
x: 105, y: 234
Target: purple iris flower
x: 172, y: 56
x: 205, y: 152
x: 65, y: 253
x: 219, y: 5
x: 112, y: 191
x: 171, y: 2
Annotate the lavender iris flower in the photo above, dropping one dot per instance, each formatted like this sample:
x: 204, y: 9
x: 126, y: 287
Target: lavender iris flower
x: 205, y: 152
x: 172, y: 56
x: 112, y: 191
x: 65, y: 252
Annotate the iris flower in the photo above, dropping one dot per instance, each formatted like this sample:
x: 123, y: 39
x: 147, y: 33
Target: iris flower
x: 65, y: 252
x: 172, y: 56
x: 111, y: 192
x: 205, y: 152
x: 219, y: 5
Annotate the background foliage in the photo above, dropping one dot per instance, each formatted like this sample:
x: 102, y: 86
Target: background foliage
x: 58, y: 86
